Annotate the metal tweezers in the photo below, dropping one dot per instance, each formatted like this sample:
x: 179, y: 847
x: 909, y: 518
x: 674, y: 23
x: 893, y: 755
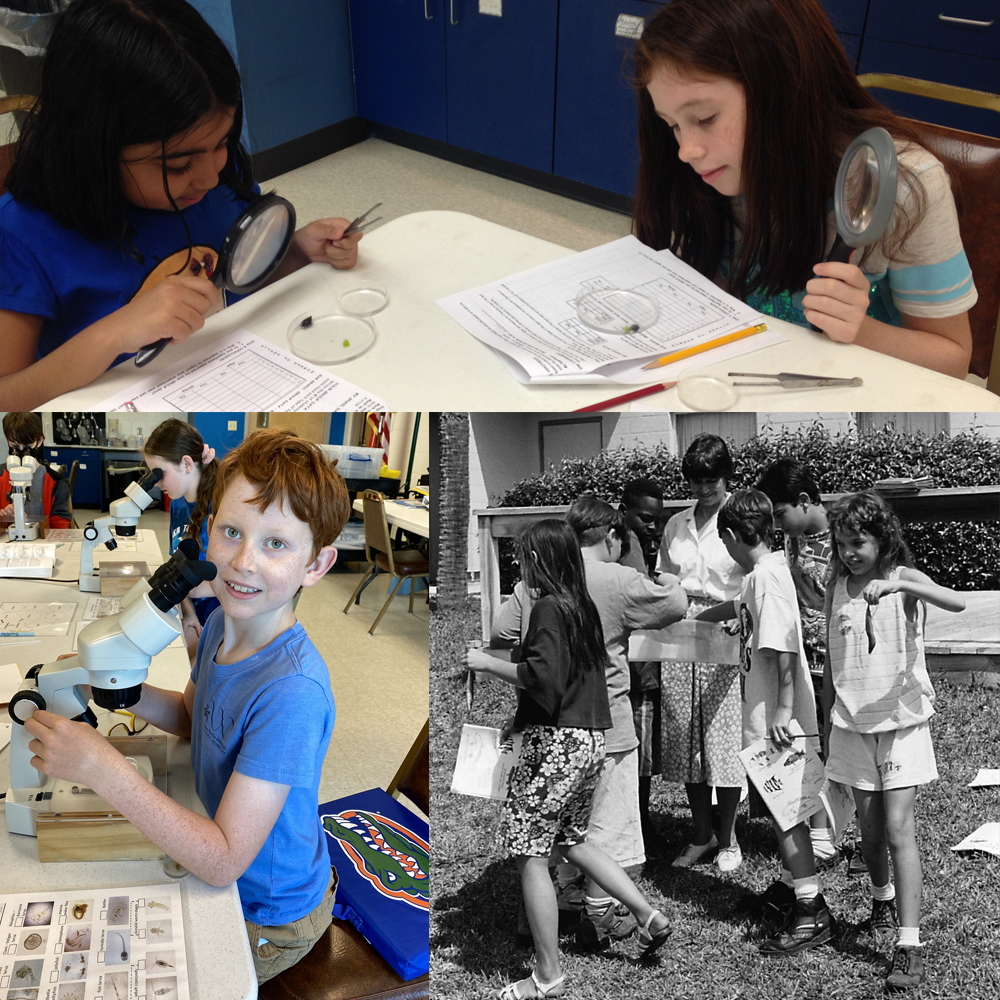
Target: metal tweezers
x: 355, y: 226
x: 791, y: 380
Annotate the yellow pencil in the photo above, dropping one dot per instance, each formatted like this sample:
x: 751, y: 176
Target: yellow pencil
x: 698, y: 348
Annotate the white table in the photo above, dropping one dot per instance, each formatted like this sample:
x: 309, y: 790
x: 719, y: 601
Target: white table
x: 399, y: 515
x: 423, y: 360
x: 220, y: 966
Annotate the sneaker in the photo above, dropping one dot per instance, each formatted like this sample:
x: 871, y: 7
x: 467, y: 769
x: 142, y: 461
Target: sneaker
x: 809, y: 924
x: 729, y: 858
x: 693, y: 853
x: 773, y: 905
x: 883, y: 923
x: 595, y: 933
x: 907, y: 970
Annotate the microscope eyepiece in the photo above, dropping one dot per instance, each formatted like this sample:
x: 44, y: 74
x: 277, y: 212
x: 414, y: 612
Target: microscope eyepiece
x: 151, y: 478
x: 175, y: 579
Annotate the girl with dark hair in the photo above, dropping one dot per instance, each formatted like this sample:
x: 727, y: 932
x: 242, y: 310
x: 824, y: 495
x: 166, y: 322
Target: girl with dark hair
x: 189, y: 466
x: 700, y: 714
x: 128, y: 176
x: 878, y: 701
x: 745, y: 109
x: 562, y: 712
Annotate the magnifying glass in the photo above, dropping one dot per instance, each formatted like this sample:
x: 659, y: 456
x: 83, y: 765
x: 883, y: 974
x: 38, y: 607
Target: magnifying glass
x: 251, y: 252
x: 865, y: 192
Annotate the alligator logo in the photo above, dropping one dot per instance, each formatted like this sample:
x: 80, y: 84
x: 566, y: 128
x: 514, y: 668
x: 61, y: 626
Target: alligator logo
x: 389, y: 855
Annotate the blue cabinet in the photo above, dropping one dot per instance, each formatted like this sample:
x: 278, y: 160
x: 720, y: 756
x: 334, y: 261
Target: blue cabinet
x: 88, y: 490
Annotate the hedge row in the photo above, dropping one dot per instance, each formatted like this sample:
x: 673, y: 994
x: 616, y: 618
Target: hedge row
x: 959, y: 554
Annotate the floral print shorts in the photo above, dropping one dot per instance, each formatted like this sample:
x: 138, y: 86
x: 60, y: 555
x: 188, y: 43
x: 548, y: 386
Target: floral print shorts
x: 551, y: 790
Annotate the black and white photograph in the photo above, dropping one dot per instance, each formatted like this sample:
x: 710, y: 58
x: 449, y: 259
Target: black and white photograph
x: 714, y: 703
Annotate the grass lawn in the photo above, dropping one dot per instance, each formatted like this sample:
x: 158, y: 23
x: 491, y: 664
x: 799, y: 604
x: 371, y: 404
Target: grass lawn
x: 713, y: 952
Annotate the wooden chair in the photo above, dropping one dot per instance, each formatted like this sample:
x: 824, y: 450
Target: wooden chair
x: 16, y: 102
x: 400, y: 563
x: 342, y: 964
x: 975, y: 161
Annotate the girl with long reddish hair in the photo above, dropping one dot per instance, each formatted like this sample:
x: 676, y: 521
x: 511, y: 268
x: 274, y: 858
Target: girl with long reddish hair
x: 745, y: 109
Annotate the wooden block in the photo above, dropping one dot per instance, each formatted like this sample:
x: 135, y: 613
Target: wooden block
x: 118, y: 578
x: 91, y: 836
x: 153, y: 747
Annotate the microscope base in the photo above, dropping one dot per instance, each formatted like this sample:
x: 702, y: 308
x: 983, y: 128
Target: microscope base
x: 90, y: 584
x: 21, y: 810
x: 26, y: 534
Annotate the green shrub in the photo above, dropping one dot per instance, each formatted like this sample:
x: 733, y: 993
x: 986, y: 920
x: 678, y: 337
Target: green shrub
x: 959, y: 554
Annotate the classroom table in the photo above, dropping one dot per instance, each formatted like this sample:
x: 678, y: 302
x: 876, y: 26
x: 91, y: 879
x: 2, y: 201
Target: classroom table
x: 423, y: 360
x: 220, y: 966
x: 415, y: 519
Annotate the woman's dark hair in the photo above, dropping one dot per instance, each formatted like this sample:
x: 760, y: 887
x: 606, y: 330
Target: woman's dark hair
x: 707, y: 457
x: 551, y: 565
x: 172, y: 440
x: 868, y: 513
x: 591, y: 520
x: 783, y: 481
x: 121, y: 73
x: 804, y: 105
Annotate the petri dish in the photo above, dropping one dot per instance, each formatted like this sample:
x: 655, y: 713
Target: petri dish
x: 329, y: 340
x: 363, y: 298
x: 618, y: 311
x: 703, y: 392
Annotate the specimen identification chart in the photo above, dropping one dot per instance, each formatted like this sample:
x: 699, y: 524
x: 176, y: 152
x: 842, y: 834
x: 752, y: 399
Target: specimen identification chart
x: 531, y: 319
x: 41, y: 619
x: 94, y: 944
x: 241, y: 372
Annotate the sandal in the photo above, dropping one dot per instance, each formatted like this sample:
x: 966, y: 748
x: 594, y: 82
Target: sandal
x: 512, y: 991
x: 648, y: 941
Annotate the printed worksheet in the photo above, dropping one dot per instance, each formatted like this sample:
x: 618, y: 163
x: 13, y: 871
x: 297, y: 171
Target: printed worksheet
x: 99, y: 606
x: 531, y: 320
x: 241, y: 372
x: 36, y: 619
x: 27, y: 559
x: 789, y: 779
x: 95, y: 944
x: 484, y: 762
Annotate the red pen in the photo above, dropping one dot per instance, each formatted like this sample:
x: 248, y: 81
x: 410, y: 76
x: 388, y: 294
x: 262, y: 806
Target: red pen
x: 649, y: 390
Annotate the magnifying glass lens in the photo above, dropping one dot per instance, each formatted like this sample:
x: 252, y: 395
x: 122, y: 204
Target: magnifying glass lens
x: 259, y: 245
x: 861, y: 187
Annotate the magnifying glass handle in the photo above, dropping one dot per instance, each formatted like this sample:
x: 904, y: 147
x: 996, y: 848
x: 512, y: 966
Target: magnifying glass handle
x: 840, y: 251
x: 146, y: 354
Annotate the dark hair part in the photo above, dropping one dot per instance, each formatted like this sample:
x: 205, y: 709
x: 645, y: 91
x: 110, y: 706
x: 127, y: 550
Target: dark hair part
x: 748, y: 514
x: 636, y: 489
x: 289, y: 471
x: 551, y: 563
x: 800, y: 88
x: 121, y: 73
x: 172, y: 440
x: 868, y: 513
x: 592, y: 519
x: 23, y: 428
x: 783, y: 481
x: 707, y: 457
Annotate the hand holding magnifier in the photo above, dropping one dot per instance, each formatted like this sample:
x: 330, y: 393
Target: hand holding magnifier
x: 251, y: 252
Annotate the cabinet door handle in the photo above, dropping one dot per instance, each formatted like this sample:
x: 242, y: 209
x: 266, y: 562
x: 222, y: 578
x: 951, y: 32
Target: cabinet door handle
x: 965, y: 20
x: 452, y: 6
x: 427, y: 17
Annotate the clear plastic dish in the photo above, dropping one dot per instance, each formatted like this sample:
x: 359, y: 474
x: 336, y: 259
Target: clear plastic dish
x: 617, y: 311
x: 363, y: 298
x: 329, y: 340
x: 703, y: 392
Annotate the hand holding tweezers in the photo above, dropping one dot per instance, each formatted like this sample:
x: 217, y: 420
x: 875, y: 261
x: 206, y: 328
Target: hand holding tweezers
x: 791, y: 380
x: 356, y: 226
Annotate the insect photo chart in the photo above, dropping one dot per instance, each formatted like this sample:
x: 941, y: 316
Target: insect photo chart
x: 96, y: 944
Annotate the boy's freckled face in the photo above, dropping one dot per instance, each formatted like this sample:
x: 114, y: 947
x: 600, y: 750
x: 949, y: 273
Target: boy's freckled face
x: 261, y: 556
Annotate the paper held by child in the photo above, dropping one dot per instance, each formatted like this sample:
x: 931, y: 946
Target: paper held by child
x: 789, y: 779
x: 686, y: 641
x: 484, y: 763
x: 530, y: 319
x: 986, y: 838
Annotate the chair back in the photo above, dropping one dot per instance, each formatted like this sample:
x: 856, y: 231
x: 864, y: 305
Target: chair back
x: 377, y: 527
x: 975, y: 161
x: 15, y: 102
x: 413, y: 776
x: 73, y: 470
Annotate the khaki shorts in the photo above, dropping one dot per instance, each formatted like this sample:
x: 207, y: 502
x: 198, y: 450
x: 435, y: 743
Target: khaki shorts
x: 285, y: 945
x: 874, y: 762
x: 614, y: 820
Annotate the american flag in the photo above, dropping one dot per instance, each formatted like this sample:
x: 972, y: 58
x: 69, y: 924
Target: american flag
x: 377, y: 433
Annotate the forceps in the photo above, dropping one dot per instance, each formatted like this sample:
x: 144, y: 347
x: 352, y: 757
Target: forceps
x: 354, y: 227
x: 791, y: 380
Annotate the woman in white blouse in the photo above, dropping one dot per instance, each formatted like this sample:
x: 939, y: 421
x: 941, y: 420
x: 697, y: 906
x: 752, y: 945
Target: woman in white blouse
x: 701, y: 733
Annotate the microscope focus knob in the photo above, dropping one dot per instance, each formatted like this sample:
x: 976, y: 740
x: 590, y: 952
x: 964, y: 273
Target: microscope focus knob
x: 21, y: 698
x: 90, y: 532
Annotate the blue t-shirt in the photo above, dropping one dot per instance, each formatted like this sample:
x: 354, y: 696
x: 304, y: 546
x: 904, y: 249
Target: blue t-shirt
x: 71, y: 281
x: 180, y: 515
x: 269, y: 716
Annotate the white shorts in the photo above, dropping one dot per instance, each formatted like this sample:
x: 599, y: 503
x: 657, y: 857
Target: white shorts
x: 615, y: 826
x: 874, y: 762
